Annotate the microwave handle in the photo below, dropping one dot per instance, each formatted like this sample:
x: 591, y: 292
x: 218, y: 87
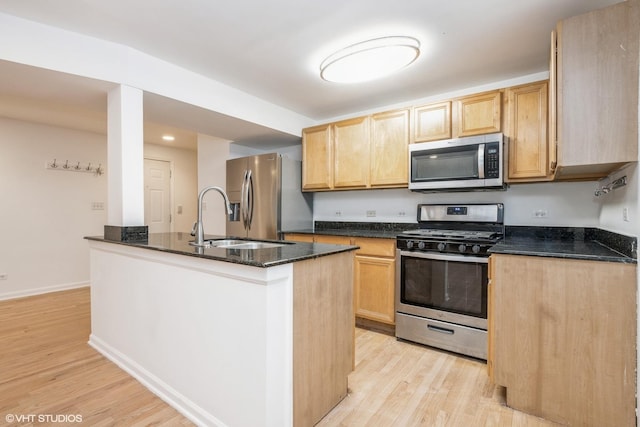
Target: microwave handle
x: 481, y: 161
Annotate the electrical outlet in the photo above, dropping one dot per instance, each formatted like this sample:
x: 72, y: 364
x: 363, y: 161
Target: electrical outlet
x: 338, y: 213
x: 97, y: 206
x: 4, y: 276
x: 540, y: 213
x: 625, y: 214
x: 402, y: 213
x: 371, y: 213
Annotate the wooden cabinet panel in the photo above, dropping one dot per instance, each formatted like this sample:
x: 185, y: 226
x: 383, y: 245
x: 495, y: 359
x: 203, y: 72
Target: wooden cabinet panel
x: 597, y: 90
x: 563, y: 334
x: 389, y: 149
x: 317, y: 158
x: 374, y: 291
x: 296, y: 237
x: 432, y: 122
x: 478, y: 114
x: 374, y: 274
x: 376, y: 246
x: 375, y: 279
x: 351, y: 155
x: 332, y: 240
x: 490, y: 322
x: 323, y: 330
x: 526, y: 132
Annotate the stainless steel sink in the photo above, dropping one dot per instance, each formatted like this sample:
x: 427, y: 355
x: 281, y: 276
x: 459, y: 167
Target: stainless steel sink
x: 242, y: 244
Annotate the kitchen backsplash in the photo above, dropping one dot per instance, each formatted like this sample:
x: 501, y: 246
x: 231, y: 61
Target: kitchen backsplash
x: 571, y: 204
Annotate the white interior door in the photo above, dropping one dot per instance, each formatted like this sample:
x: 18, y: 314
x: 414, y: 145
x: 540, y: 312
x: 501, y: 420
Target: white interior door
x: 157, y: 195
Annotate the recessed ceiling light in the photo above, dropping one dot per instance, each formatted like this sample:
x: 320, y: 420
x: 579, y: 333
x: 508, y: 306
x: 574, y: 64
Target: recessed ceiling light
x: 168, y: 137
x: 370, y: 59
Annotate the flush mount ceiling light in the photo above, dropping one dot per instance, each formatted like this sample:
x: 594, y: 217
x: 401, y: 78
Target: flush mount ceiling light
x: 168, y: 137
x: 370, y: 59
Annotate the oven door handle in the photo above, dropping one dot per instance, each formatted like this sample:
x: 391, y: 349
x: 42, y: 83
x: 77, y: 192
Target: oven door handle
x: 445, y: 257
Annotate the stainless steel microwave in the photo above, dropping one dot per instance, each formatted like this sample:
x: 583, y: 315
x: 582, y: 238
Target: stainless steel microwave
x: 469, y: 163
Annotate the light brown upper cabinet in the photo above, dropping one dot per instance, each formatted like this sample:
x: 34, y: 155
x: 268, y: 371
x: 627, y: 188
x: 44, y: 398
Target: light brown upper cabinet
x: 470, y: 115
x: 317, y: 158
x: 432, y: 122
x: 478, y: 114
x: 597, y: 91
x: 363, y: 152
x: 389, y: 149
x: 525, y: 129
x: 351, y: 153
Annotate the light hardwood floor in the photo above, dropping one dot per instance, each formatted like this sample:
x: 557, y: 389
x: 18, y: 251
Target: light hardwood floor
x: 47, y: 368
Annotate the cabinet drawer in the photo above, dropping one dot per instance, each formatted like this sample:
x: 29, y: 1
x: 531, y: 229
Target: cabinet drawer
x: 376, y: 246
x: 299, y: 237
x: 333, y: 240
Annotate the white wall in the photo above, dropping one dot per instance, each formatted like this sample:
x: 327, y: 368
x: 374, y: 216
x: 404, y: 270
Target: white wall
x: 613, y: 203
x: 46, y: 213
x: 184, y: 168
x: 212, y: 165
x: 567, y: 204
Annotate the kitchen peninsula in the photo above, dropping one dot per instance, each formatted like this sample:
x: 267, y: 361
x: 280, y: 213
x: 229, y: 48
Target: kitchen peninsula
x: 237, y: 337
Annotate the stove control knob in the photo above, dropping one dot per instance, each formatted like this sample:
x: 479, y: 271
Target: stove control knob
x: 475, y: 249
x: 410, y: 244
x: 421, y: 245
x: 441, y: 246
x: 462, y: 248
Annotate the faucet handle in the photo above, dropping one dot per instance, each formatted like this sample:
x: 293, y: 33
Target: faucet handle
x: 193, y: 229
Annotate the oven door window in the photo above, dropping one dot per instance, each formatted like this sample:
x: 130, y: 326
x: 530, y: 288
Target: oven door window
x: 445, y: 164
x: 454, y: 286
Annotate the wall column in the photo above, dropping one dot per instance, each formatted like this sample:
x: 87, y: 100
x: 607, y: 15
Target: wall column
x: 125, y: 157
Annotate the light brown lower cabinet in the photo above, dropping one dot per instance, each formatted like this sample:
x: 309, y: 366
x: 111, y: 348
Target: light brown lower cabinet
x: 374, y: 276
x: 374, y: 273
x: 563, y: 338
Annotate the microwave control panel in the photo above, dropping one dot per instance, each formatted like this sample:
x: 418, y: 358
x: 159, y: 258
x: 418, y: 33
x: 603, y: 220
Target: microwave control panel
x: 492, y: 160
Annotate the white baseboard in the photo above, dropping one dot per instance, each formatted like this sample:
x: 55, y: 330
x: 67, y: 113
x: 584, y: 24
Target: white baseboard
x: 39, y: 291
x: 158, y: 387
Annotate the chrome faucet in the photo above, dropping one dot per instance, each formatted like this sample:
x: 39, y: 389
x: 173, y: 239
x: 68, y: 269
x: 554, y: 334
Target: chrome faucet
x: 198, y: 229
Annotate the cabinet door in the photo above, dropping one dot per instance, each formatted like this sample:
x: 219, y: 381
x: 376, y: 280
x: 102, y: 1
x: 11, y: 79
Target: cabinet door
x: 317, y: 158
x: 351, y: 158
x: 478, y: 114
x: 374, y: 290
x: 375, y: 279
x: 597, y: 71
x: 564, y: 334
x: 432, y: 122
x: 389, y: 149
x: 526, y: 131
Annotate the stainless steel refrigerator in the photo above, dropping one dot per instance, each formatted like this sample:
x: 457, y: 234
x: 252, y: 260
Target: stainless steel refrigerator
x: 266, y: 197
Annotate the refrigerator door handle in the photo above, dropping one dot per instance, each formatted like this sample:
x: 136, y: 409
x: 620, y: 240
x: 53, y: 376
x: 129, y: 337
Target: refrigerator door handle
x: 243, y: 200
x: 249, y: 200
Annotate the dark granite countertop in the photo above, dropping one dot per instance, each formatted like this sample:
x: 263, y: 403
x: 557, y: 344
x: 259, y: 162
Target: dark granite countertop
x: 178, y: 243
x: 570, y: 243
x: 558, y: 242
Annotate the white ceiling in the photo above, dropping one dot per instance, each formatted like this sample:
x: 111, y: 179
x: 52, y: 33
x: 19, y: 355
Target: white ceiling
x: 271, y: 49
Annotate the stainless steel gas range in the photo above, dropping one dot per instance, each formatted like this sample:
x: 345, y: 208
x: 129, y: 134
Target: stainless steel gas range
x: 441, y: 276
